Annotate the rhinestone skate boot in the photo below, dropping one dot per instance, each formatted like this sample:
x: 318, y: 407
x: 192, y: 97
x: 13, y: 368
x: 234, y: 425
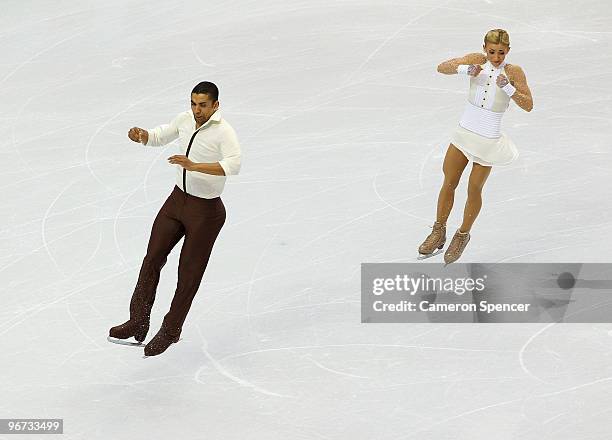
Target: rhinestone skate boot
x: 161, y: 341
x: 456, y: 247
x: 138, y: 324
x: 434, y: 242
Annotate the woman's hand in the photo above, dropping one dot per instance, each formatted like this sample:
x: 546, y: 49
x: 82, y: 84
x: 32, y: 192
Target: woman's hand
x: 502, y: 81
x: 474, y: 70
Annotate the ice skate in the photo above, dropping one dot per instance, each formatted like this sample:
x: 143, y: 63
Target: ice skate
x: 161, y: 341
x: 130, y: 328
x: 138, y: 324
x: 124, y: 342
x: 456, y: 247
x: 434, y: 242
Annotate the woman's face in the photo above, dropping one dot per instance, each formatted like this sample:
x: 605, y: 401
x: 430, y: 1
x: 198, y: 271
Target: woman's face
x: 496, y: 53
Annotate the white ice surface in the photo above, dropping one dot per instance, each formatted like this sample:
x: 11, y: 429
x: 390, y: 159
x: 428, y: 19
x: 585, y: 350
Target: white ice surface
x: 343, y: 122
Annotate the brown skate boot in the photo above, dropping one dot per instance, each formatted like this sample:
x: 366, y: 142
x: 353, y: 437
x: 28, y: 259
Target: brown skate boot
x: 161, y: 341
x: 138, y: 324
x: 456, y: 247
x: 130, y: 328
x: 434, y: 241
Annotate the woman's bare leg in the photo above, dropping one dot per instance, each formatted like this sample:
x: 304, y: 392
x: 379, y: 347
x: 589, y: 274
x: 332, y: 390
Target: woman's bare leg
x: 478, y: 177
x: 454, y: 164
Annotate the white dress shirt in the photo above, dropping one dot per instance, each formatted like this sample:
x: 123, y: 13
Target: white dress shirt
x: 484, y: 92
x: 214, y: 141
x: 486, y: 101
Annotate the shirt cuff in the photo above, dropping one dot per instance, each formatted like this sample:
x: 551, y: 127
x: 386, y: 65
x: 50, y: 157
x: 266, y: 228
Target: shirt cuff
x: 230, y: 167
x: 462, y: 69
x: 509, y: 89
x: 224, y: 166
x: 150, y: 139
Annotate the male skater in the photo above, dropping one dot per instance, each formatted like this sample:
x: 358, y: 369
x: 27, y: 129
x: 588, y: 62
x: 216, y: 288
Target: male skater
x: 210, y: 151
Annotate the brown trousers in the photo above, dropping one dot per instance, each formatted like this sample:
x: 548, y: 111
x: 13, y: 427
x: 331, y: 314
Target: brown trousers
x: 199, y: 221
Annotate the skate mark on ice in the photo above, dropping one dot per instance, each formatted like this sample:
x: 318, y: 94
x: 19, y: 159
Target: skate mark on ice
x: 40, y: 307
x: 252, y: 278
x: 143, y: 185
x: 389, y: 39
x: 521, y: 353
x: 341, y: 373
x: 223, y: 371
x: 401, y: 346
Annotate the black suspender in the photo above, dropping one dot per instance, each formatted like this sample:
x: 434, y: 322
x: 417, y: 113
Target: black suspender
x: 187, y: 155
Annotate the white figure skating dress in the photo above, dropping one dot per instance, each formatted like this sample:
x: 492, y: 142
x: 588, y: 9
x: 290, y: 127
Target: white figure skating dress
x: 478, y: 135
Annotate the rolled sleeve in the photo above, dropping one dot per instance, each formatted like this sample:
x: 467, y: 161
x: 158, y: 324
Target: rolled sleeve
x: 231, y: 154
x: 164, y: 134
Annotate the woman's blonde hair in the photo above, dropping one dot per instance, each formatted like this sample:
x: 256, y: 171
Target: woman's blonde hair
x: 497, y: 36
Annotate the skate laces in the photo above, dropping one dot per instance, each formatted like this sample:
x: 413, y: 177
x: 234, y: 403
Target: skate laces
x: 459, y: 239
x: 435, y: 234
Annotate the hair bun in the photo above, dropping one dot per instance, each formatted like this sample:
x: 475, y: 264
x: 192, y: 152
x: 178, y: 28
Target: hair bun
x: 497, y: 36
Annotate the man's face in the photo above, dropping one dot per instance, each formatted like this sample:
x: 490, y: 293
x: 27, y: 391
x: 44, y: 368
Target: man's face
x: 203, y: 107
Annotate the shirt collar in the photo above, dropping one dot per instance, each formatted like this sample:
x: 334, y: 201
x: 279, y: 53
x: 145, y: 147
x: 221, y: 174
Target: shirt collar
x: 216, y: 117
x: 501, y: 66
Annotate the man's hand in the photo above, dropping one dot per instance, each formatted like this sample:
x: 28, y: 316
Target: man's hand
x: 139, y: 135
x: 182, y: 161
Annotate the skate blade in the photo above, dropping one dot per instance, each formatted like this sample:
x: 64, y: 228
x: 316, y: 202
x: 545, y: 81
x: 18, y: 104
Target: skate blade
x: 144, y: 356
x: 433, y: 254
x: 124, y: 342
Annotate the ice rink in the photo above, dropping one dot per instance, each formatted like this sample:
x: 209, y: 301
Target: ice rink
x: 343, y: 122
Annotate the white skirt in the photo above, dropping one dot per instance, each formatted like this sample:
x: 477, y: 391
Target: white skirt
x: 485, y: 151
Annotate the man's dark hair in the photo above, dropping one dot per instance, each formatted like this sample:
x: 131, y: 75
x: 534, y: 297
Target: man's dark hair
x: 207, y: 88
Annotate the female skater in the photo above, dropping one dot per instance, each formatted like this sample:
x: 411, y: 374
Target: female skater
x: 493, y: 83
